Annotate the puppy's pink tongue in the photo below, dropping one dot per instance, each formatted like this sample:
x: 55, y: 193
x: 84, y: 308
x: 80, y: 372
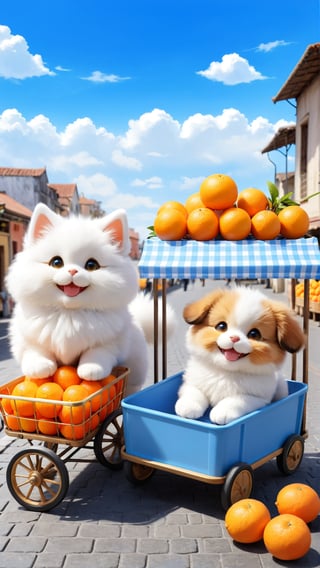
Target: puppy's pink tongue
x: 231, y: 354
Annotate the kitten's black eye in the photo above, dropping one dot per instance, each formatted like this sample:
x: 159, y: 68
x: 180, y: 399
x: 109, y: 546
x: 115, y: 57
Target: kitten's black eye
x: 92, y: 264
x: 221, y: 326
x: 254, y: 334
x: 56, y: 262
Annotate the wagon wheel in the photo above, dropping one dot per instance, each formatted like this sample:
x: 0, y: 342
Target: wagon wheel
x: 51, y: 446
x: 290, y: 458
x: 108, y: 441
x: 238, y: 485
x: 37, y: 478
x: 137, y: 473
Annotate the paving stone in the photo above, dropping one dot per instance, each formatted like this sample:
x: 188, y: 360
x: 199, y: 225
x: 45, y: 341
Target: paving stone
x: 133, y: 561
x: 94, y: 560
x: 49, y: 560
x: 168, y: 561
x: 95, y: 530
x: 153, y: 546
x: 205, y: 561
x: 69, y: 545
x: 26, y: 544
x: 16, y: 560
x: 115, y: 545
x: 183, y: 546
x: 55, y: 529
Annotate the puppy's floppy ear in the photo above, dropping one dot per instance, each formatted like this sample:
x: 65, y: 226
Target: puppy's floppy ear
x: 289, y: 333
x: 196, y: 312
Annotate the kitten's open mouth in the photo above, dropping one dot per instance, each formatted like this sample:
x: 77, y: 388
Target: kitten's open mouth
x: 232, y: 354
x: 71, y: 289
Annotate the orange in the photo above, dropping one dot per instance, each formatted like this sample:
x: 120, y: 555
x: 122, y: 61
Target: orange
x: 246, y: 520
x: 48, y: 427
x: 235, y: 224
x: 114, y: 395
x: 6, y: 406
x: 76, y: 413
x: 66, y: 376
x: 287, y: 537
x: 28, y: 424
x: 72, y: 431
x: 73, y: 414
x: 97, y: 401
x: 13, y: 422
x: 50, y: 391
x: 93, y: 422
x: 113, y: 399
x: 173, y: 205
x: 38, y: 382
x: 218, y: 191
x: 170, y: 225
x: 203, y: 224
x: 25, y: 407
x: 252, y: 200
x: 294, y: 222
x: 103, y: 414
x: 194, y: 202
x: 109, y: 379
x: 299, y: 499
x: 265, y: 225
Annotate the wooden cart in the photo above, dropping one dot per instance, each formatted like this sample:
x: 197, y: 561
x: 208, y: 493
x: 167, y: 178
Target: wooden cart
x: 37, y: 476
x: 155, y: 438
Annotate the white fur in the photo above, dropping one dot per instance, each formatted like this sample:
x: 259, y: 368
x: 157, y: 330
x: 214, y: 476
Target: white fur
x: 216, y: 375
x: 53, y: 324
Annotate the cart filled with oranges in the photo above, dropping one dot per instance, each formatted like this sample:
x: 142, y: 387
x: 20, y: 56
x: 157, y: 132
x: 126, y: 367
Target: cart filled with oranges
x: 64, y: 414
x: 221, y: 235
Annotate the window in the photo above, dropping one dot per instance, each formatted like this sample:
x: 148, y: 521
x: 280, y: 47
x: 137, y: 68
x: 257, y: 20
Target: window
x: 303, y: 161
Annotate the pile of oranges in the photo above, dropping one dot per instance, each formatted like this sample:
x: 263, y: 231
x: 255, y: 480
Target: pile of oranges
x: 314, y: 290
x: 61, y: 405
x: 286, y: 536
x: 218, y: 210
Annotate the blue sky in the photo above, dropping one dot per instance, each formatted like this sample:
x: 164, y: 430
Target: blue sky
x: 137, y: 101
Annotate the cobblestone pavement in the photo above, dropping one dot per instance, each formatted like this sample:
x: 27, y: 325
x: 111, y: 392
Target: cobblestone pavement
x: 168, y: 522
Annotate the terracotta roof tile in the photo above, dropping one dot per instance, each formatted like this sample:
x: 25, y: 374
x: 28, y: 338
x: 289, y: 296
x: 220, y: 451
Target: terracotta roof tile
x: 13, y: 206
x: 64, y: 189
x: 86, y: 201
x: 23, y: 172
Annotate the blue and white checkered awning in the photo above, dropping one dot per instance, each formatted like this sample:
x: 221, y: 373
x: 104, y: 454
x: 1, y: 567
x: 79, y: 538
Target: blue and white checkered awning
x: 279, y: 258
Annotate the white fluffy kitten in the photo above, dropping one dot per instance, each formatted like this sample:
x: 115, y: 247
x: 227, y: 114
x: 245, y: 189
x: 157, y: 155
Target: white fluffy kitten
x: 72, y: 285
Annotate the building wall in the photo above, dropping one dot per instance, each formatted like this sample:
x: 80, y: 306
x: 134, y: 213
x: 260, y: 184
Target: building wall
x: 29, y: 190
x: 17, y: 232
x: 308, y: 109
x: 22, y: 189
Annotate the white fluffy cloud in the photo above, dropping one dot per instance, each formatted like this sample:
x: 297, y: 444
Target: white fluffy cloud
x: 99, y: 77
x: 172, y: 157
x: 232, y: 70
x: 266, y: 47
x: 16, y: 61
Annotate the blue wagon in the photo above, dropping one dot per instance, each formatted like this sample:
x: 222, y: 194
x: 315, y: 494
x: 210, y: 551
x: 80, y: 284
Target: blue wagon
x: 156, y: 438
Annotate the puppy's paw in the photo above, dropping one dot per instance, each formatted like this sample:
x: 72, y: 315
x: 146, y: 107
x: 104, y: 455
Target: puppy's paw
x: 188, y: 408
x: 222, y: 414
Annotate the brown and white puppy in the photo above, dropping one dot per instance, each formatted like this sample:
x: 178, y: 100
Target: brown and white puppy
x: 237, y: 342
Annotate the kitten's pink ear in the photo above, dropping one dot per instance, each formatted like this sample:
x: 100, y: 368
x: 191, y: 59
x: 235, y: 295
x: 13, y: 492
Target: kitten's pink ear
x: 117, y: 225
x: 41, y: 220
